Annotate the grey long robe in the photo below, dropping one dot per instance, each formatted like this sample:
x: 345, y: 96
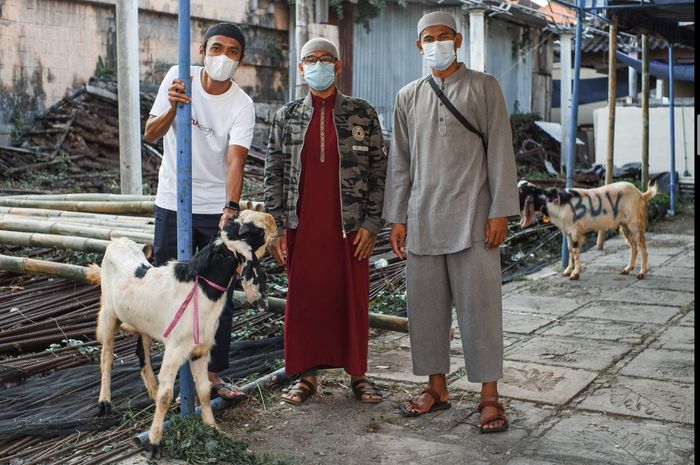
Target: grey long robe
x: 438, y: 175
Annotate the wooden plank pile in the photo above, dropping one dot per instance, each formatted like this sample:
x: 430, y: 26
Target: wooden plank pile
x: 79, y: 136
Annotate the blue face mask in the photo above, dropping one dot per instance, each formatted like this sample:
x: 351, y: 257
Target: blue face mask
x: 319, y: 76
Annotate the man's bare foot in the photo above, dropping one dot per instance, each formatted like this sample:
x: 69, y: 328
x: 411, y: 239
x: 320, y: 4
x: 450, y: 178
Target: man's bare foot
x: 297, y: 392
x: 433, y: 397
x: 220, y: 388
x: 492, y: 415
x: 365, y: 390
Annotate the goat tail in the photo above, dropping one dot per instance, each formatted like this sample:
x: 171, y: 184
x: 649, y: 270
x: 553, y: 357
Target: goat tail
x: 651, y: 191
x: 94, y: 274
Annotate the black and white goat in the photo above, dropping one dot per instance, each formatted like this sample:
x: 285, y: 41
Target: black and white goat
x: 150, y: 301
x: 578, y: 211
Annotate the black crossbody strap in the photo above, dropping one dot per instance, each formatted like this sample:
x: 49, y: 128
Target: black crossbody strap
x: 460, y: 117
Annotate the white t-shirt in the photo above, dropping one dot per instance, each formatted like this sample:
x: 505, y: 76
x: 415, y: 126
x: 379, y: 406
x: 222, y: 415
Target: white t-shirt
x: 218, y: 121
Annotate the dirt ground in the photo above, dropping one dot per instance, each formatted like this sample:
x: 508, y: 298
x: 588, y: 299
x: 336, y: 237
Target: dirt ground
x: 333, y: 428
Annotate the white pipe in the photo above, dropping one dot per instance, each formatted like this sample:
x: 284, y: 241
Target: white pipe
x: 477, y: 44
x: 129, y: 104
x: 565, y: 94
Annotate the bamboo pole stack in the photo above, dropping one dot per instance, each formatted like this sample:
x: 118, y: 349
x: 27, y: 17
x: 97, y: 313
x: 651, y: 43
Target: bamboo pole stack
x: 84, y: 221
x: 79, y: 273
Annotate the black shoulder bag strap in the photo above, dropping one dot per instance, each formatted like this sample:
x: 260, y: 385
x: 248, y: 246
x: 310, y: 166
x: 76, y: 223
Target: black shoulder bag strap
x: 460, y: 117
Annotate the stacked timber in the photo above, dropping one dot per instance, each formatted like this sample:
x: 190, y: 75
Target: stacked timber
x: 76, y: 136
x: 81, y: 222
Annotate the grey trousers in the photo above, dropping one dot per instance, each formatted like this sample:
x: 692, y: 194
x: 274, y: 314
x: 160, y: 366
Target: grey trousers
x: 471, y: 281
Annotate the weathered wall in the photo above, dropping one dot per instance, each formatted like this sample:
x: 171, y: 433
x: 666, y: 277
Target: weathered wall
x: 48, y: 47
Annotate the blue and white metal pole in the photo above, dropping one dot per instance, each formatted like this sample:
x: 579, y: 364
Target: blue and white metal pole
x: 672, y: 138
x: 573, y: 116
x: 184, y: 179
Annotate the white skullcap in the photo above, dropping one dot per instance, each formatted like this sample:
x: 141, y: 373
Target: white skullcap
x: 437, y: 18
x: 319, y: 44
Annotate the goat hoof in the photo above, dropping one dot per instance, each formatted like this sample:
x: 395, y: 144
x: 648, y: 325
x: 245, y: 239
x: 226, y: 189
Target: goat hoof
x: 573, y: 277
x: 104, y: 408
x: 641, y: 276
x: 156, y: 450
x: 566, y: 273
x: 624, y: 271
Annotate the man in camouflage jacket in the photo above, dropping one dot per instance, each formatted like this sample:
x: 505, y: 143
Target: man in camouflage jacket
x: 324, y: 184
x: 363, y: 162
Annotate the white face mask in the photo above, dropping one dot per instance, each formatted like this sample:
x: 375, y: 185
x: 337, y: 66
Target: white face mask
x: 440, y: 54
x: 219, y: 67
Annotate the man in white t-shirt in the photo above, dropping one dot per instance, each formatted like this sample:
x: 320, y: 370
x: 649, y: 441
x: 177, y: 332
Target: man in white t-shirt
x: 222, y: 131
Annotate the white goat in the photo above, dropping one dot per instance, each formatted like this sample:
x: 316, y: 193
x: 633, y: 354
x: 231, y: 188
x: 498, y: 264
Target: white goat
x: 578, y: 211
x: 147, y: 300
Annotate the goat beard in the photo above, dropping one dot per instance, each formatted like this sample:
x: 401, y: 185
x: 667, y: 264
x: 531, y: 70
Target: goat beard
x: 527, y: 215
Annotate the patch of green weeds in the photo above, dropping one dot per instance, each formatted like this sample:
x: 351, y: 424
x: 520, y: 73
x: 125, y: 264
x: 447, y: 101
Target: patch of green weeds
x: 388, y: 300
x: 82, y: 258
x: 191, y: 440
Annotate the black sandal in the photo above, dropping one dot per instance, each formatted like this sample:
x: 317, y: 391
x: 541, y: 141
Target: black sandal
x: 364, y: 387
x: 300, y: 388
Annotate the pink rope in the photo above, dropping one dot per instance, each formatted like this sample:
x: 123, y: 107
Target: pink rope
x: 193, y: 293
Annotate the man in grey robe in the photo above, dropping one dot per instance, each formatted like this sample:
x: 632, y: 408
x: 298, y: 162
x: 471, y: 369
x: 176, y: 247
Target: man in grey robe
x: 448, y: 196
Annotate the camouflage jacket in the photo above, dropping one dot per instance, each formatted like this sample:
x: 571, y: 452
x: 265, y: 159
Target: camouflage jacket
x: 363, y: 163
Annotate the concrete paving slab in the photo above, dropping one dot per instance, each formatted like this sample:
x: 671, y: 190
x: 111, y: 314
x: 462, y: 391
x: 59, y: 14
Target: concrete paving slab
x: 396, y: 365
x: 535, y: 382
x: 603, y: 330
x: 683, y: 261
x: 664, y: 283
x: 563, y: 288
x: 646, y: 398
x: 538, y: 304
x: 652, y: 297
x: 664, y: 365
x: 618, y: 260
x: 676, y: 338
x: 568, y: 352
x: 688, y: 320
x: 627, y: 312
x: 603, y: 278
x: 670, y: 240
x: 401, y: 448
x: 521, y: 322
x: 531, y: 461
x: 603, y: 439
x: 672, y: 271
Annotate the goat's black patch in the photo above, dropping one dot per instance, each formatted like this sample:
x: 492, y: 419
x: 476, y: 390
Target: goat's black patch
x: 141, y: 270
x: 253, y: 235
x: 216, y: 262
x: 574, y: 244
x: 195, y: 357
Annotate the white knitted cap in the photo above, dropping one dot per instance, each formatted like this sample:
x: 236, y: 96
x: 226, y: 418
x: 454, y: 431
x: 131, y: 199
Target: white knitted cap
x: 437, y: 18
x: 319, y: 44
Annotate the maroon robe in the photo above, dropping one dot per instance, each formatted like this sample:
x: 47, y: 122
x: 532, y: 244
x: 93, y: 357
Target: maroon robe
x: 326, y: 316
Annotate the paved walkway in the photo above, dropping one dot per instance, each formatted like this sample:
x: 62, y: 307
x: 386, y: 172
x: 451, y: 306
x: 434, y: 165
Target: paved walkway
x: 598, y: 371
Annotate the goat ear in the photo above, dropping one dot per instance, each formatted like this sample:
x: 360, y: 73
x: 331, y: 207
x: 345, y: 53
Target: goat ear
x: 253, y: 281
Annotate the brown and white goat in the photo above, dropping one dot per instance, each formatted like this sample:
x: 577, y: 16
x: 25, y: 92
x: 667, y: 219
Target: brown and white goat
x: 578, y: 211
x: 147, y: 300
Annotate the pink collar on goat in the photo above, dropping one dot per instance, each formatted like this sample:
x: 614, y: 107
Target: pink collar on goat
x: 185, y: 303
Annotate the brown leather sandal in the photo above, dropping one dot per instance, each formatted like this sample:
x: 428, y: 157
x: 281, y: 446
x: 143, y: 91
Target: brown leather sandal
x: 364, y: 387
x: 437, y: 405
x: 500, y: 415
x: 300, y: 388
